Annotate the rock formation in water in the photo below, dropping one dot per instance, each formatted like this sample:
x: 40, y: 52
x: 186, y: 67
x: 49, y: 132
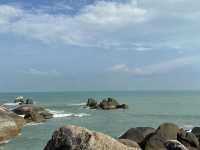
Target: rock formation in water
x: 109, y: 103
x: 33, y: 113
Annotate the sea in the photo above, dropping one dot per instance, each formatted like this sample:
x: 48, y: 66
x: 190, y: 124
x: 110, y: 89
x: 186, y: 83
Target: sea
x: 146, y: 109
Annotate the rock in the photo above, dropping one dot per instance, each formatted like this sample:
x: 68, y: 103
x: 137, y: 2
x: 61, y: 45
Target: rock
x: 10, y: 124
x: 188, y: 139
x: 137, y: 134
x: 33, y: 113
x: 92, y: 103
x: 110, y: 103
x: 77, y: 138
x: 122, y: 106
x: 19, y: 99
x: 196, y: 132
x: 174, y: 145
x: 166, y: 131
x: 129, y: 143
x: 29, y: 101
x: 154, y: 142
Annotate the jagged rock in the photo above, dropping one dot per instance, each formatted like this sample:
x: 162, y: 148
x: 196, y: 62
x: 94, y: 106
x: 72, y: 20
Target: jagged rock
x: 77, y: 138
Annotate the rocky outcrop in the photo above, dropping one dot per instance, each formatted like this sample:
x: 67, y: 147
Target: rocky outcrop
x: 196, y: 132
x: 10, y: 124
x: 77, y: 138
x: 33, y: 113
x: 109, y: 103
x: 22, y: 100
x: 188, y: 139
x: 137, y: 134
x: 92, y: 103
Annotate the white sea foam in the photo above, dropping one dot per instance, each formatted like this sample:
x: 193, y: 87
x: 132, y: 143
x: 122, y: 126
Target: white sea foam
x: 188, y: 128
x: 33, y: 124
x: 78, y: 104
x: 61, y: 114
x: 10, y: 104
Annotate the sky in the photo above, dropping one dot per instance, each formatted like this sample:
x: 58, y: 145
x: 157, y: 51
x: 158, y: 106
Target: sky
x: 95, y: 45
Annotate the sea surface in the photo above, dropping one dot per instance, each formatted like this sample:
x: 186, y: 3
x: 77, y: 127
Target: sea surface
x: 145, y: 109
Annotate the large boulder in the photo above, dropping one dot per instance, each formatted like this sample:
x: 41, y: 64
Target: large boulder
x: 166, y: 131
x: 137, y: 134
x: 196, y: 131
x: 77, y: 138
x: 92, y: 103
x: 10, y: 124
x: 33, y: 113
x: 188, y: 139
x: 174, y: 145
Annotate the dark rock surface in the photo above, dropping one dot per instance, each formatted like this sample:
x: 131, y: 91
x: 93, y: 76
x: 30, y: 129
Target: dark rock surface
x: 137, y: 134
x: 33, y: 113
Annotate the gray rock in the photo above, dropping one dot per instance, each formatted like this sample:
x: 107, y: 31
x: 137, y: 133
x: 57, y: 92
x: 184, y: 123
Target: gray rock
x: 33, y: 113
x: 92, y: 103
x: 188, y: 139
x: 137, y: 134
x: 77, y: 138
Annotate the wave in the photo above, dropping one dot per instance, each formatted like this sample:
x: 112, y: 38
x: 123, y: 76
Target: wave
x: 61, y: 114
x: 34, y: 124
x: 10, y: 104
x: 78, y: 104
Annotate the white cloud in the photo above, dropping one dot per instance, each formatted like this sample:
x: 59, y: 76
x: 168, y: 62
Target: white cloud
x: 160, y: 68
x: 91, y: 27
x: 33, y: 71
x: 112, y: 25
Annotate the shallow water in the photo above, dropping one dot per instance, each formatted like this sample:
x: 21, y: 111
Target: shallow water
x: 145, y: 109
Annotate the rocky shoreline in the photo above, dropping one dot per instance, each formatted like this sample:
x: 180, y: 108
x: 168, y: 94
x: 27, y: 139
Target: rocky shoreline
x: 168, y: 136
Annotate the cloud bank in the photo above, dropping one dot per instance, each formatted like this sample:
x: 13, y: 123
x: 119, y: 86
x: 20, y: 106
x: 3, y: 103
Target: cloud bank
x: 109, y: 24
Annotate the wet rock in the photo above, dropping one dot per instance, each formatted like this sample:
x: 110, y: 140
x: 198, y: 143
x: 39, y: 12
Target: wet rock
x: 33, y: 113
x: 77, y: 138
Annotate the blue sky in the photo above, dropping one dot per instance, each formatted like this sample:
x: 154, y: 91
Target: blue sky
x: 62, y: 45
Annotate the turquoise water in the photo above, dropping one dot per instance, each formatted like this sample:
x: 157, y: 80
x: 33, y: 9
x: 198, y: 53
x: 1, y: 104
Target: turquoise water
x: 145, y: 109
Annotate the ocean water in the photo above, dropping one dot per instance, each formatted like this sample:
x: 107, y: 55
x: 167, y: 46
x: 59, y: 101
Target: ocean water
x: 145, y: 109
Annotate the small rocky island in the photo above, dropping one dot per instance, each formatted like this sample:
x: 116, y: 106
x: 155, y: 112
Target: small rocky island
x: 167, y: 136
x: 109, y: 103
x: 13, y: 120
